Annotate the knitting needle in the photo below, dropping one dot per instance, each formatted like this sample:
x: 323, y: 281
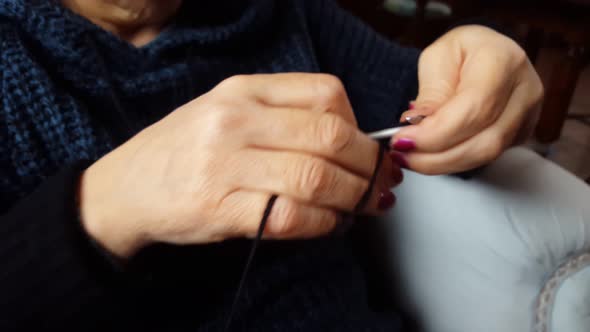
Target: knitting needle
x: 390, y: 132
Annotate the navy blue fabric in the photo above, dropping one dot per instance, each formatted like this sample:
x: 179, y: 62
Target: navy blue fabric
x: 59, y: 75
x: 55, y: 95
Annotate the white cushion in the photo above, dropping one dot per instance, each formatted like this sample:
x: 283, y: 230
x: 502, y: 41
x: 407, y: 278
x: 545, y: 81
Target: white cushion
x: 475, y: 254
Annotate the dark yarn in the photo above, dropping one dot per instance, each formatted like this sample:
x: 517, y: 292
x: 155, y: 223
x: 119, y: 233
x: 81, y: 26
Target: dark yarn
x: 367, y: 195
x: 359, y: 207
x: 257, y: 239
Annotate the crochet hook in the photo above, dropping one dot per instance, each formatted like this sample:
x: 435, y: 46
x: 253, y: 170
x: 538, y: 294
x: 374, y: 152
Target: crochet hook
x: 390, y: 132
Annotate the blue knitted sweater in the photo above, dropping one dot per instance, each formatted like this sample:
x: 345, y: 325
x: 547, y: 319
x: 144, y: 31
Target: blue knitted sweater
x: 60, y: 79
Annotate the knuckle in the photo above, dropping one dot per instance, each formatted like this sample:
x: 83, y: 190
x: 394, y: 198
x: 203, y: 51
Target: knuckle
x: 334, y: 133
x: 535, y: 90
x: 359, y: 188
x: 428, y: 52
x: 233, y: 82
x: 493, y: 149
x: 329, y: 88
x: 234, y: 228
x: 288, y: 217
x: 538, y: 90
x: 222, y: 118
x: 324, y: 223
x: 331, y: 221
x: 518, y: 53
x: 315, y: 180
x: 482, y: 111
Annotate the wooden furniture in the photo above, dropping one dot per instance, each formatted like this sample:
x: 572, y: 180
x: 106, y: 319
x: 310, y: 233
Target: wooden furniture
x: 562, y: 29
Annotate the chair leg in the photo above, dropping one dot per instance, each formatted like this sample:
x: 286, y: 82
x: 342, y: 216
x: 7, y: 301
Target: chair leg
x: 533, y: 43
x: 558, y: 94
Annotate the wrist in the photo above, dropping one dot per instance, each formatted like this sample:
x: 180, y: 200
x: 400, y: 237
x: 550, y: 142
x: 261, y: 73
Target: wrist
x: 103, y: 226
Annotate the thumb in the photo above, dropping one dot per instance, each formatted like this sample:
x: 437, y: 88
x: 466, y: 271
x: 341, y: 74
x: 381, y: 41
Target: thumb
x: 438, y: 76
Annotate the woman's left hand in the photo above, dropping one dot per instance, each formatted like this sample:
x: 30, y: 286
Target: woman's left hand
x: 481, y: 95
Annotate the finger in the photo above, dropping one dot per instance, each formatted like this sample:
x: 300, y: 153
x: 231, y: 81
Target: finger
x: 243, y: 210
x: 381, y: 198
x: 414, y: 113
x: 462, y: 157
x: 438, y: 76
x: 321, y: 134
x: 481, y: 96
x: 483, y: 148
x: 318, y: 92
x: 389, y: 175
x: 310, y: 180
x: 291, y: 219
x: 392, y: 173
x: 533, y: 89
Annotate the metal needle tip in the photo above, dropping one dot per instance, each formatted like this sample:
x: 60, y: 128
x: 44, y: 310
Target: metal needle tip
x: 416, y: 119
x: 387, y: 133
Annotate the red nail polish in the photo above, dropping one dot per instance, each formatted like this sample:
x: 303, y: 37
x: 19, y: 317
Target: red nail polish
x: 412, y: 106
x: 386, y: 200
x: 397, y: 175
x: 404, y: 145
x: 399, y: 159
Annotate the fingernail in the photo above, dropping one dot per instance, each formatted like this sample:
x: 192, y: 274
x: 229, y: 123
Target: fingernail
x: 416, y: 119
x: 399, y: 159
x: 397, y: 175
x: 412, y: 105
x: 386, y: 200
x: 404, y: 145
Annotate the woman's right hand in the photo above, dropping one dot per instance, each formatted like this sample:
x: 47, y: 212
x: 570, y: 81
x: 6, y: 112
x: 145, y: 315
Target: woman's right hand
x: 205, y: 172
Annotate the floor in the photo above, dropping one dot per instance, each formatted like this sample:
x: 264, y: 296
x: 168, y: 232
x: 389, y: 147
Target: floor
x: 572, y: 151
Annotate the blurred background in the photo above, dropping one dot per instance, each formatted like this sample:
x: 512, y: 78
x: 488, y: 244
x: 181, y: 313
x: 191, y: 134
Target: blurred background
x: 555, y: 35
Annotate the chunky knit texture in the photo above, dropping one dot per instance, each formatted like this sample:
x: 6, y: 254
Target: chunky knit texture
x: 60, y: 77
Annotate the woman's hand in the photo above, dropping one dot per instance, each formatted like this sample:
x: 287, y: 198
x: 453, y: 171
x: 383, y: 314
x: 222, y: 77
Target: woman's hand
x: 481, y: 95
x: 205, y: 172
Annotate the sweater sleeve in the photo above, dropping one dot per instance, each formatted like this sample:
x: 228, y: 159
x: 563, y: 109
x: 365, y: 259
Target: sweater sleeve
x: 380, y: 76
x: 52, y: 277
